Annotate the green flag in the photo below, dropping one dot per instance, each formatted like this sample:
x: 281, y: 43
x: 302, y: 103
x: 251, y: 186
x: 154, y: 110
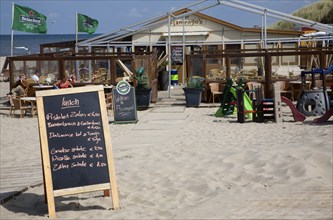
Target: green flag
x: 86, y: 24
x: 28, y: 20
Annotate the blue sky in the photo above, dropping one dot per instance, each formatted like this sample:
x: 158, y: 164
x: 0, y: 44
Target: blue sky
x: 113, y: 15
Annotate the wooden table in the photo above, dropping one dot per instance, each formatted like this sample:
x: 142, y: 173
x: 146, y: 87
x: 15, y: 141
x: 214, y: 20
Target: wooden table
x: 32, y: 101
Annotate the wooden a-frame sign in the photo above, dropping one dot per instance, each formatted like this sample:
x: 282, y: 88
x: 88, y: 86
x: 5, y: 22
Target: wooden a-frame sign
x: 75, y: 143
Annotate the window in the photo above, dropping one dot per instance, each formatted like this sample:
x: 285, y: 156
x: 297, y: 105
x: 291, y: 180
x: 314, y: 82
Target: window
x: 235, y: 48
x: 212, y: 48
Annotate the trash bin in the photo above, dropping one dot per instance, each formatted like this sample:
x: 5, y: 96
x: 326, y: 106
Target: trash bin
x: 174, y: 77
x: 163, y: 79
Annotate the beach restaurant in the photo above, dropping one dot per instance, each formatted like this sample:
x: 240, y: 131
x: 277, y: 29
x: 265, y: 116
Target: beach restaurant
x: 195, y: 44
x: 188, y: 32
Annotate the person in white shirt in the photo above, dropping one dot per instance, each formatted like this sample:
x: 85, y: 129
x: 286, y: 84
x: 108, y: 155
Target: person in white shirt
x: 35, y: 77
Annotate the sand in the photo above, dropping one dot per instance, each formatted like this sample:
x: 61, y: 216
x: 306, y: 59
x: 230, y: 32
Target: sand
x: 184, y: 163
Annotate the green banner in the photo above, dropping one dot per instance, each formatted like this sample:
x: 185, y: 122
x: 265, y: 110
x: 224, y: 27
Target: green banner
x: 86, y: 24
x: 28, y: 20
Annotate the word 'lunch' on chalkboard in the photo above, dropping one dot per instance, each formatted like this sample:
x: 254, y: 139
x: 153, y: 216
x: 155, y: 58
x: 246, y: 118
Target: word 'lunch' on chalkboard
x: 124, y: 103
x: 75, y: 141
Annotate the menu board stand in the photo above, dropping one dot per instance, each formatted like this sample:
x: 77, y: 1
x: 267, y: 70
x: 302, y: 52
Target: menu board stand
x: 124, y: 103
x: 75, y: 143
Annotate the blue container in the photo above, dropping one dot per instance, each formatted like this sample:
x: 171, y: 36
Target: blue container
x: 174, y: 77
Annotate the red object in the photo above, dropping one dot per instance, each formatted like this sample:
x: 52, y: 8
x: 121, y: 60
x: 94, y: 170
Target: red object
x: 297, y: 115
x: 324, y: 117
x: 63, y: 84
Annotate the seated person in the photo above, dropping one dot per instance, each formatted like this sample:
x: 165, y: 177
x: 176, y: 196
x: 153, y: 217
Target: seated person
x: 72, y: 77
x: 19, y: 87
x: 35, y: 77
x: 84, y: 73
x: 63, y: 83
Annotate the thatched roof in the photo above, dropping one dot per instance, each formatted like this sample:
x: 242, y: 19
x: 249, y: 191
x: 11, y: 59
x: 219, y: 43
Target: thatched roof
x: 320, y: 11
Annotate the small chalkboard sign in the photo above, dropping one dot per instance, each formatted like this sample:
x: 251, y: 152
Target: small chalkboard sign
x: 124, y: 103
x: 75, y: 143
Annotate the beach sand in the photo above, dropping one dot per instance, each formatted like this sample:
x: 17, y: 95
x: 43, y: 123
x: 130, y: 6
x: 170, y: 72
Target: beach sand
x: 184, y: 163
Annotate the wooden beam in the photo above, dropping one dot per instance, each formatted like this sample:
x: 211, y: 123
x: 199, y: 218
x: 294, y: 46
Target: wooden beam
x: 126, y: 70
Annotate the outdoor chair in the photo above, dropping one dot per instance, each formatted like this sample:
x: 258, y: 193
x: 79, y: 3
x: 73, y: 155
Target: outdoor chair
x: 52, y: 77
x: 214, y: 72
x: 42, y: 79
x: 30, y: 81
x: 319, y: 85
x: 253, y: 86
x: 18, y: 104
x: 215, y: 91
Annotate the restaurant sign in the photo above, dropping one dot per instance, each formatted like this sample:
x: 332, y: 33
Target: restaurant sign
x: 188, y: 22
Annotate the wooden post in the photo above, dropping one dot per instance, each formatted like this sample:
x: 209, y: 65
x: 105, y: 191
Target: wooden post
x: 268, y: 76
x: 227, y: 66
x: 277, y: 103
x: 240, y: 105
x: 259, y: 105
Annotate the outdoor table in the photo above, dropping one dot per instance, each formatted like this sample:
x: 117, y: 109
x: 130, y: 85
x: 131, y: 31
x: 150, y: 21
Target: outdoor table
x: 32, y: 101
x: 43, y: 87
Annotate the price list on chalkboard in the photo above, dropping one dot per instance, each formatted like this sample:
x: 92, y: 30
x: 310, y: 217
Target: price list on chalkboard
x: 75, y: 140
x: 124, y: 103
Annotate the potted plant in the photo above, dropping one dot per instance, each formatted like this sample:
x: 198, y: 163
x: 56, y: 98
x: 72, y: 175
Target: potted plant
x: 193, y: 91
x: 143, y: 89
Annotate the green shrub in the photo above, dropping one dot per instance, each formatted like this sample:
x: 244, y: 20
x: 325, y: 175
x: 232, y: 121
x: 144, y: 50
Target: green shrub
x: 195, y: 82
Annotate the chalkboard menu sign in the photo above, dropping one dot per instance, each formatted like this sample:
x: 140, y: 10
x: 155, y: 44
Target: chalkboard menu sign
x: 124, y: 103
x: 177, y: 55
x: 75, y: 141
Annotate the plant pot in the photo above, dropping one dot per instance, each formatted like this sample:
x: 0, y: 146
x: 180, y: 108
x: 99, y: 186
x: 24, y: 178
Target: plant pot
x: 143, y: 98
x: 192, y: 96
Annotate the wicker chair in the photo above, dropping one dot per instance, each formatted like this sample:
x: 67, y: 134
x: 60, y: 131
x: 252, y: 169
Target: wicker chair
x: 252, y: 86
x: 215, y: 91
x: 18, y: 104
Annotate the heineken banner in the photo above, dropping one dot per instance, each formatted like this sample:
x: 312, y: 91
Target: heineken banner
x: 28, y: 20
x: 86, y: 24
